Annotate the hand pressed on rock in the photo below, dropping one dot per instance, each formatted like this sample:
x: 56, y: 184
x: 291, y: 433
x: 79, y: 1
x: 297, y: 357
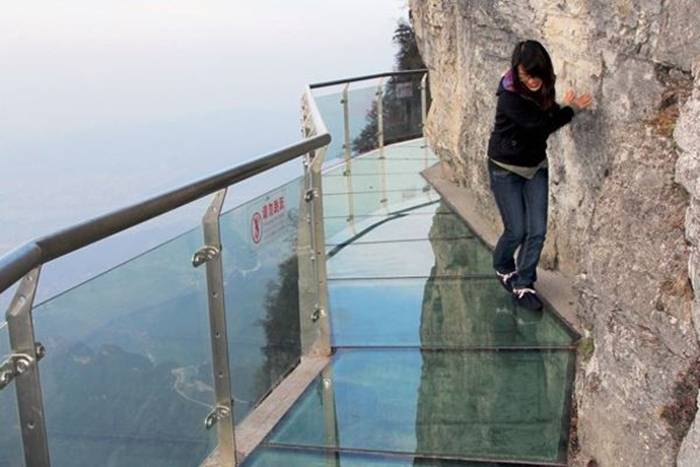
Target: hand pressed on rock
x: 583, y: 102
x: 578, y: 102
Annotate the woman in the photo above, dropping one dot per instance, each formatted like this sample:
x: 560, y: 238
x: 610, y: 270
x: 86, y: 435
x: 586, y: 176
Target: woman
x: 526, y: 114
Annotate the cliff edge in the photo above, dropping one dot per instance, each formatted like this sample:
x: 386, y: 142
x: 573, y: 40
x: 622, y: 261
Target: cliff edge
x: 624, y: 220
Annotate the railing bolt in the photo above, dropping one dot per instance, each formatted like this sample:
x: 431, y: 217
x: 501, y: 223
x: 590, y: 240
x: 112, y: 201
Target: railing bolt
x: 5, y: 378
x: 309, y: 195
x: 317, y: 313
x: 40, y: 350
x: 22, y: 365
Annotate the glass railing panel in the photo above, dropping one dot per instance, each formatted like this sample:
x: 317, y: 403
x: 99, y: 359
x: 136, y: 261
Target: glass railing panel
x: 492, y: 405
x: 377, y: 202
x: 362, y: 103
x: 340, y: 227
x: 399, y: 159
x: 371, y: 165
x: 437, y: 313
x: 259, y: 240
x: 414, y: 143
x: 330, y: 107
x: 411, y: 149
x: 458, y: 257
x: 127, y: 377
x: 290, y: 457
x: 375, y: 182
x: 402, y: 108
x: 11, y: 453
x: 361, y: 118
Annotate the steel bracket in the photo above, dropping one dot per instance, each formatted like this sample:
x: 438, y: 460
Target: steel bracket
x: 220, y: 412
x: 17, y: 364
x: 317, y: 313
x: 310, y: 194
x: 205, y: 254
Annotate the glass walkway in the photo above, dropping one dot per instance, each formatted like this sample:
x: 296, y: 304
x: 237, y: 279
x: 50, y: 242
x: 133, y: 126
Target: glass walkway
x: 433, y: 363
x: 356, y: 261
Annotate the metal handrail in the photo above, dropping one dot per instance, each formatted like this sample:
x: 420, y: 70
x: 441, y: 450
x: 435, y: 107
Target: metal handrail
x: 366, y: 77
x: 319, y: 124
x: 20, y: 261
x: 24, y: 263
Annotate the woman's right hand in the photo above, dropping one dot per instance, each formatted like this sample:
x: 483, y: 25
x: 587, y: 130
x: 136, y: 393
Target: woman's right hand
x: 580, y: 102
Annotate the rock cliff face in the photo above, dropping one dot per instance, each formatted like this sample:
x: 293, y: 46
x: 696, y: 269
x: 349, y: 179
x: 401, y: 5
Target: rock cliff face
x: 687, y: 136
x: 624, y: 210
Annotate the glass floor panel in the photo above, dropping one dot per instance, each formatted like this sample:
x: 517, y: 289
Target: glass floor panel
x: 376, y: 182
x: 436, y: 313
x: 400, y: 227
x: 374, y: 203
x: 434, y: 258
x: 508, y: 405
x: 339, y: 229
x: 356, y: 173
x: 374, y: 165
x: 279, y: 456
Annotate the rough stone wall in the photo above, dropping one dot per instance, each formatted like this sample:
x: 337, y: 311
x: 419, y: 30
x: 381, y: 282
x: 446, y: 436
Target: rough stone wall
x: 618, y: 222
x: 687, y: 135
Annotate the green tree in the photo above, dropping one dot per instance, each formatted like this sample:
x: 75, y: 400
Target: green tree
x: 402, y: 101
x: 407, y: 57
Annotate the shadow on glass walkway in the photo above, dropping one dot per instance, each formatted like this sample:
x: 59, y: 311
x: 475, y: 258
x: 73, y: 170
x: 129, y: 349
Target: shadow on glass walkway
x: 357, y: 263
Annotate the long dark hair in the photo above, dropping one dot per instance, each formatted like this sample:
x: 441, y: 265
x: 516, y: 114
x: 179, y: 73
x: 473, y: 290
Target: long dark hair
x: 534, y: 58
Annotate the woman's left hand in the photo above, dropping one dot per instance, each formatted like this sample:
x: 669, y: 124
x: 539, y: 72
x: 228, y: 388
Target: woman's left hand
x: 583, y: 102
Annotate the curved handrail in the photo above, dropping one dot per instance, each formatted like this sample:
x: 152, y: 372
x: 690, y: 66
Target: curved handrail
x: 366, y: 77
x: 20, y: 261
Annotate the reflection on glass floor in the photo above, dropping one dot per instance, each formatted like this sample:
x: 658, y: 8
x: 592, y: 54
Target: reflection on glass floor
x: 463, y: 257
x: 471, y: 405
x: 279, y: 456
x: 437, y: 313
x: 434, y: 365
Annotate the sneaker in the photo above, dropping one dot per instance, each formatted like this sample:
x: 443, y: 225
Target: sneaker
x: 527, y: 298
x: 506, y: 280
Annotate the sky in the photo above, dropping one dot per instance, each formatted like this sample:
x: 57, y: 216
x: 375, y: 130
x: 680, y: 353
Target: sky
x: 107, y: 102
x: 73, y: 65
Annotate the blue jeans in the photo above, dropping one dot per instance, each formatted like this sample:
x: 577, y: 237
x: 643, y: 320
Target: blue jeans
x: 523, y: 207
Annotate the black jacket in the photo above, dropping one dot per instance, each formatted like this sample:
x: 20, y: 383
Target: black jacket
x: 519, y: 136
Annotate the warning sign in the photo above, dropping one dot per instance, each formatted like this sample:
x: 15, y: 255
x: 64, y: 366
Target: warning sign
x: 404, y: 90
x: 268, y: 220
x: 256, y: 227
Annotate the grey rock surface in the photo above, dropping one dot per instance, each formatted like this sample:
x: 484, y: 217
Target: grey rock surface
x: 624, y: 216
x: 687, y: 136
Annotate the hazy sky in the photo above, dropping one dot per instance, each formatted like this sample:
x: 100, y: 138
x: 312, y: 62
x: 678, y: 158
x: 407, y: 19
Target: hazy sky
x: 72, y: 65
x: 106, y: 102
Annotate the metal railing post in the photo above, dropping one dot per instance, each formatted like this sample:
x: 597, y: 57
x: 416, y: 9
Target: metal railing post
x: 424, y: 114
x: 346, y: 128
x: 26, y: 353
x: 380, y: 139
x: 348, y: 152
x: 330, y: 417
x: 210, y: 254
x: 318, y: 243
x: 316, y: 246
x: 380, y: 117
